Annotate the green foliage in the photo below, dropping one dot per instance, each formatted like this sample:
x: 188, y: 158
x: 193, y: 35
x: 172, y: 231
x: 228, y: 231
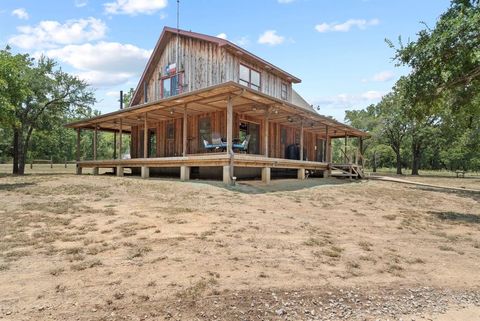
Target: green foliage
x: 36, y: 96
x: 431, y: 119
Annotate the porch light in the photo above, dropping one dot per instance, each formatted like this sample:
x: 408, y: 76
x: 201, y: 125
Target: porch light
x: 254, y: 108
x: 290, y: 119
x: 275, y: 111
x: 172, y: 111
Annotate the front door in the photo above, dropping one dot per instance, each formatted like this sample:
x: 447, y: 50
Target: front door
x: 170, y: 139
x: 252, y: 129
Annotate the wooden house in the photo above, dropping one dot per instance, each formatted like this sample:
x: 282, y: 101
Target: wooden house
x: 208, y: 108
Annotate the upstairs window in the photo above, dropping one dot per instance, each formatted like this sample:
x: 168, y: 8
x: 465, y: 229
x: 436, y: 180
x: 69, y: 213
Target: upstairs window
x: 171, y: 86
x: 284, y: 91
x: 249, y: 77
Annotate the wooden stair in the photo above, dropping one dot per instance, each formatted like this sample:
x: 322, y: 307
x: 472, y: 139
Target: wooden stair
x: 347, y: 170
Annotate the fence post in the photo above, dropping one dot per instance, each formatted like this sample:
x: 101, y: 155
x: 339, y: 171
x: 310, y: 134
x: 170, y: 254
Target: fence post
x: 51, y: 162
x: 65, y: 163
x: 31, y: 163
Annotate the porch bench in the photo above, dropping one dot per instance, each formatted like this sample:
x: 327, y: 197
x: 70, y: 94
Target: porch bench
x: 460, y: 173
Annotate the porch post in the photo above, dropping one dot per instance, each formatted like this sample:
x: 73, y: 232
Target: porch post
x: 79, y: 169
x: 120, y: 138
x: 95, y: 136
x: 185, y: 129
x: 360, y: 146
x: 145, y: 169
x: 95, y: 143
x: 301, y: 141
x: 145, y: 137
x: 301, y: 171
x: 328, y: 155
x: 345, y: 154
x: 228, y: 170
x: 265, y: 132
x: 114, y: 145
x: 325, y: 144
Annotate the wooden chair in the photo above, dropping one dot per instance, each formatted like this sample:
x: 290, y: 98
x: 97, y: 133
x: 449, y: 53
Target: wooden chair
x: 243, y: 146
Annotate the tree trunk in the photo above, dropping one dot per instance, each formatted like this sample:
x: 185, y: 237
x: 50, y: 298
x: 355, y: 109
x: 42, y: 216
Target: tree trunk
x: 399, y: 163
x: 21, y: 157
x: 416, y: 154
x: 15, y: 151
x: 374, y: 162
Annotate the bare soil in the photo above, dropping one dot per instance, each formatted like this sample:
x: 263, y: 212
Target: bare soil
x: 107, y: 248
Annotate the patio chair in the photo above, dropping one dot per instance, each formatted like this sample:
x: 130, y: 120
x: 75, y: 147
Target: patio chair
x: 243, y: 146
x: 208, y: 147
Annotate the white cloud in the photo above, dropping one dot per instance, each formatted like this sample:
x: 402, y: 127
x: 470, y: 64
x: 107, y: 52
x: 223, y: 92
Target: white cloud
x: 20, y: 13
x: 349, y: 100
x: 271, y: 38
x: 105, y: 63
x: 285, y: 1
x: 50, y: 33
x: 372, y: 95
x: 134, y: 7
x: 81, y: 3
x: 112, y: 93
x: 222, y: 35
x: 383, y: 76
x: 243, y: 41
x: 347, y: 25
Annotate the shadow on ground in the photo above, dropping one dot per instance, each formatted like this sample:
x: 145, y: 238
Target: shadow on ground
x: 457, y: 217
x: 14, y: 186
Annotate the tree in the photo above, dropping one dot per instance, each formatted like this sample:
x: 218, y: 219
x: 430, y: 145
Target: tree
x: 445, y: 59
x: 127, y: 97
x: 35, y: 94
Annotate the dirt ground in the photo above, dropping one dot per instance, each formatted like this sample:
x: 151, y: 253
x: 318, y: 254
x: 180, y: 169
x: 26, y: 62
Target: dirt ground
x: 107, y: 248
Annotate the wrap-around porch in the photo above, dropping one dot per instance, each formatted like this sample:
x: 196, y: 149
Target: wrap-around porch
x: 228, y: 126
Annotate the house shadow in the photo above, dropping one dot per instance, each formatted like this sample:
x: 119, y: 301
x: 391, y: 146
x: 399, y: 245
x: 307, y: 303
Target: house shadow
x: 279, y: 185
x: 456, y: 217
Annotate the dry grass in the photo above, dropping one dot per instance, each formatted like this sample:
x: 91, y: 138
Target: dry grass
x: 138, y: 242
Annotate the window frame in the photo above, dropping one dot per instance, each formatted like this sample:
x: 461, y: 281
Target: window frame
x: 179, y: 76
x: 284, y: 97
x: 249, y: 82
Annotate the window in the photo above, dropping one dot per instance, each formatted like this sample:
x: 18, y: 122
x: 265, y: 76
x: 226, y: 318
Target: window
x: 171, y: 86
x: 284, y: 91
x: 249, y: 77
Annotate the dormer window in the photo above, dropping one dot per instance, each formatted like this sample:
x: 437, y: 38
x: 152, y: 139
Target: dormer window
x: 284, y: 91
x: 249, y: 77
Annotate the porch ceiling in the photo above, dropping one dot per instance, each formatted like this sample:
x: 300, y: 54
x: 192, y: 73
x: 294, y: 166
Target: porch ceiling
x: 246, y: 102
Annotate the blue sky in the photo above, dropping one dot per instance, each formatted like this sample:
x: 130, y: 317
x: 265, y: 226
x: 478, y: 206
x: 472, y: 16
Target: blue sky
x: 337, y: 47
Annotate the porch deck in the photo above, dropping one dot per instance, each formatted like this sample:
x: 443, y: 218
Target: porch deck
x: 206, y: 160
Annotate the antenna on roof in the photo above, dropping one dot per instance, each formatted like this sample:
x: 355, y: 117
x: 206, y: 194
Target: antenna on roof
x: 178, y: 35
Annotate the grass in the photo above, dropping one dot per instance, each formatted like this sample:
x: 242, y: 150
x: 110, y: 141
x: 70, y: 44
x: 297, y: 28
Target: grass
x: 138, y: 251
x: 85, y: 265
x: 333, y: 251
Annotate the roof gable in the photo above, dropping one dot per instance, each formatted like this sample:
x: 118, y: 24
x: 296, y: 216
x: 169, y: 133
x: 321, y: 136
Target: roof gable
x: 166, y: 35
